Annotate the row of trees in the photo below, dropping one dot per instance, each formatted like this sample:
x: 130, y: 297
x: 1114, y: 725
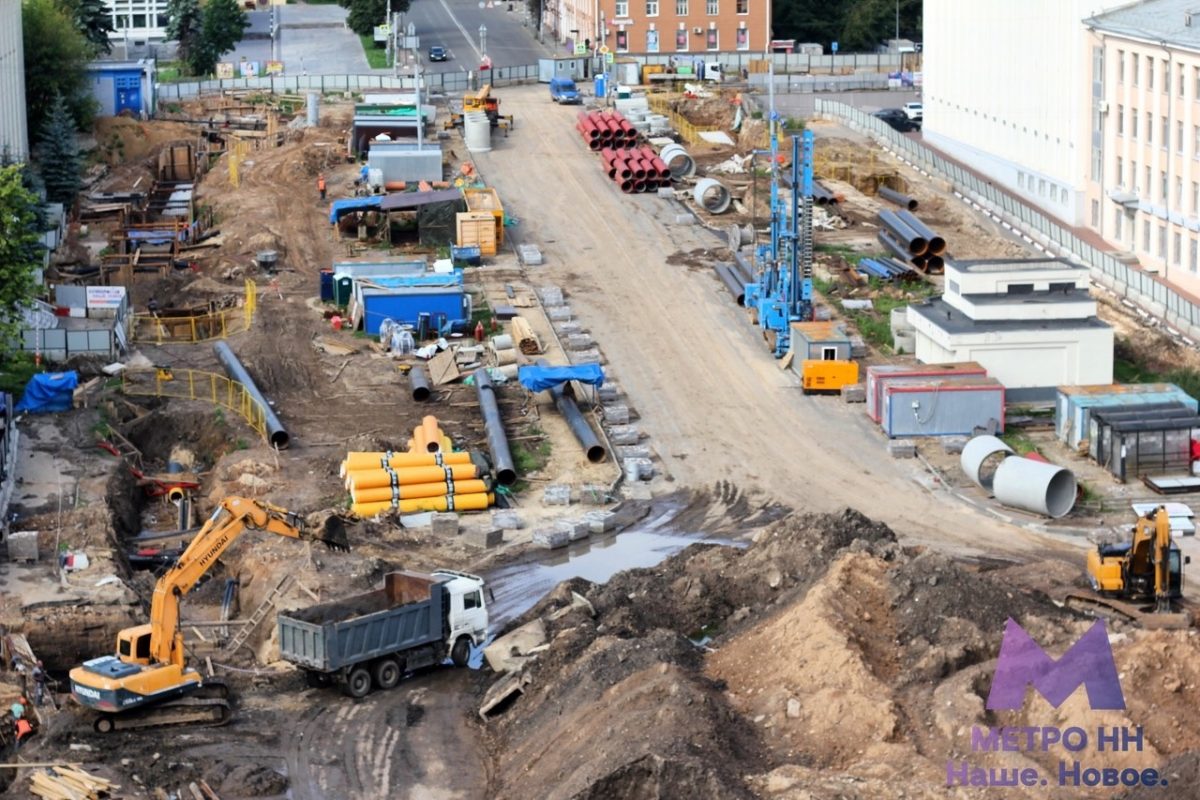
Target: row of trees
x: 366, y: 14
x: 856, y: 25
x: 205, y: 34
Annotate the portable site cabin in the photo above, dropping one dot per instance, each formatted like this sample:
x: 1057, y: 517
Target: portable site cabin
x: 878, y: 376
x: 818, y: 341
x: 942, y: 406
x: 402, y: 300
x: 1134, y: 443
x: 485, y: 200
x: 1073, y: 404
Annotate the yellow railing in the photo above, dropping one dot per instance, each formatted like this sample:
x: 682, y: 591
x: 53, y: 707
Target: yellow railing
x: 661, y: 104
x: 192, y: 384
x: 202, y: 327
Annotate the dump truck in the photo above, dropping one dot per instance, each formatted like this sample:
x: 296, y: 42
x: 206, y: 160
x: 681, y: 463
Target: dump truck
x: 369, y: 641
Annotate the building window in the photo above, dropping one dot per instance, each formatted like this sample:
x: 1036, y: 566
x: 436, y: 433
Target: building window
x: 1194, y: 247
x: 712, y: 7
x: 1134, y: 68
x: 1195, y: 197
x: 743, y: 39
x: 1120, y: 171
x: 711, y: 40
x: 1166, y: 133
x: 1095, y: 213
x: 1149, y: 72
x: 1176, y: 248
x: 1021, y: 180
x: 1120, y: 120
x: 651, y: 8
x: 1146, y: 235
x: 622, y: 41
x: 1162, y: 185
x: 1162, y: 242
x: 1133, y: 175
x: 681, y: 40
x: 1179, y: 137
x: 622, y: 9
x: 1149, y: 186
x: 1120, y: 66
x: 1167, y: 77
x: 743, y: 6
x: 681, y: 8
x: 1117, y: 218
x: 1182, y: 82
x: 1041, y: 187
x: 651, y: 41
x: 1133, y: 123
x: 1179, y: 192
x: 1149, y: 128
x: 1097, y: 167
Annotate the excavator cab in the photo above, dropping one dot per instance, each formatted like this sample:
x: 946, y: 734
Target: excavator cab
x: 133, y: 645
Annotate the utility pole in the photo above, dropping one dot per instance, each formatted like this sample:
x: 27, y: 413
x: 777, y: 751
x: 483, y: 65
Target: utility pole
x: 897, y: 24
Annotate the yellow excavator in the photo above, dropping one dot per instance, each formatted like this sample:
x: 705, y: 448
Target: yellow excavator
x: 147, y: 683
x: 1141, y: 579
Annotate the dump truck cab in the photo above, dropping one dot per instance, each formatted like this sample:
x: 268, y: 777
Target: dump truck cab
x: 468, y: 608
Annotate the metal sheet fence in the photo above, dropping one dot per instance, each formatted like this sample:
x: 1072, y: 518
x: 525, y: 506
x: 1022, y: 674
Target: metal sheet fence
x: 1147, y: 291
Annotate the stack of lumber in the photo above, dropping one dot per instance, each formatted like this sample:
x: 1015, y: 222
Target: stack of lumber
x: 69, y: 783
x: 527, y: 341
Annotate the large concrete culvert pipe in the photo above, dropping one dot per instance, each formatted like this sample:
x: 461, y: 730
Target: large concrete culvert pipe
x: 1035, y: 486
x: 712, y: 196
x: 678, y: 160
x: 980, y: 457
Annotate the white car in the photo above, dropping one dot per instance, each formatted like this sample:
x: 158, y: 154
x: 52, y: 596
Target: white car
x: 914, y: 111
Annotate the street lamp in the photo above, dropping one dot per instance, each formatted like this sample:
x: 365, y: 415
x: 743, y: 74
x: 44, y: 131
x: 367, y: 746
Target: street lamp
x: 483, y: 41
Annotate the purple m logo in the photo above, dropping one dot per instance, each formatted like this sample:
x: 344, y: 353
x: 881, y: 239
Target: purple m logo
x: 1022, y: 661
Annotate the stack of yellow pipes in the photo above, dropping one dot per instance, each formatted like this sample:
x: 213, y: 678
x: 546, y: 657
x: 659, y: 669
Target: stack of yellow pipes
x: 429, y: 477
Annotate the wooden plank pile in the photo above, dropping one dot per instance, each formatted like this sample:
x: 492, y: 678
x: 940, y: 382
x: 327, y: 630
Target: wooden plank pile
x: 69, y: 783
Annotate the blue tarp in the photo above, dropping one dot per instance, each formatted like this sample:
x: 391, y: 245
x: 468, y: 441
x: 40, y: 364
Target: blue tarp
x: 49, y: 391
x: 537, y: 379
x: 340, y: 208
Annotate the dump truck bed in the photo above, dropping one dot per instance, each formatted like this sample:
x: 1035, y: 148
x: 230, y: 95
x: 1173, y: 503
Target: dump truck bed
x: 407, y: 612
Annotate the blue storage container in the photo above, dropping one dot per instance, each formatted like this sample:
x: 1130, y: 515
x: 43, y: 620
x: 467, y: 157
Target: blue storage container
x: 326, y: 285
x: 469, y: 256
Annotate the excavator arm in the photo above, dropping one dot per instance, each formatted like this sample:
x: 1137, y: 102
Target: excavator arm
x: 1162, y: 561
x: 233, y: 517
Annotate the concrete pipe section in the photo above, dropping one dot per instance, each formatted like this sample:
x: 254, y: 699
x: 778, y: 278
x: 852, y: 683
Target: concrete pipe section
x: 678, y: 160
x: 710, y: 195
x: 980, y: 457
x: 1035, y: 486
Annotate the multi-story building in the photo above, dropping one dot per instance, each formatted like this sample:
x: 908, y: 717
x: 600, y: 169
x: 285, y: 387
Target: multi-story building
x: 136, y: 22
x: 1143, y: 176
x: 681, y: 27
x: 14, y: 138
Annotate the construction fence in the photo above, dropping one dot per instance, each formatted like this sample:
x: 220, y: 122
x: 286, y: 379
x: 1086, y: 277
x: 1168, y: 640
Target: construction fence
x: 205, y: 326
x: 1147, y: 291
x: 192, y: 384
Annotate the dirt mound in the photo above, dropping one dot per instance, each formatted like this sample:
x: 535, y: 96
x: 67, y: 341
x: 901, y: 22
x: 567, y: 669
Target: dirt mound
x: 248, y: 780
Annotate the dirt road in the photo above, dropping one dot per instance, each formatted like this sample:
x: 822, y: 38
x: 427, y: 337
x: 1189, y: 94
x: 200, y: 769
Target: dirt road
x: 712, y: 398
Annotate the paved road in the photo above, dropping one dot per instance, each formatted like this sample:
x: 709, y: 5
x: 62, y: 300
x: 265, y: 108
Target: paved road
x: 312, y: 39
x: 801, y: 105
x: 454, y: 24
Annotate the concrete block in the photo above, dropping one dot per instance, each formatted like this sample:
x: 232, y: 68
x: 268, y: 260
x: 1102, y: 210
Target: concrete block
x: 23, y: 546
x: 444, y: 524
x: 854, y: 393
x: 635, y: 451
x: 616, y: 415
x: 569, y: 327
x: 558, y: 494
x: 953, y: 444
x: 421, y: 520
x: 684, y: 219
x: 507, y: 520
x: 529, y: 254
x: 485, y: 537
x: 551, y: 538
x: 550, y: 295
x: 587, y: 357
x: 637, y: 491
x: 579, y: 341
x: 575, y: 529
x: 509, y: 652
x: 902, y: 448
x: 601, y: 521
x: 623, y: 434
x: 638, y: 469
x: 558, y: 313
x: 608, y: 392
x: 666, y: 193
x: 593, y: 494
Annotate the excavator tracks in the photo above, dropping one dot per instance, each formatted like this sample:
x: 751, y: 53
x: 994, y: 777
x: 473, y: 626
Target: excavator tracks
x: 1140, y: 614
x: 208, y: 706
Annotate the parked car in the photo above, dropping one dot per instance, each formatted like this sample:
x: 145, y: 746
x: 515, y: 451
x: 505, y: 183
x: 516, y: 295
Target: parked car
x: 897, y: 119
x: 437, y: 54
x: 915, y: 110
x: 564, y: 91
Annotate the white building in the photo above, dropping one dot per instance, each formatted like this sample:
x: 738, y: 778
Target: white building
x: 1032, y: 324
x: 13, y: 135
x: 137, y: 22
x: 1006, y: 90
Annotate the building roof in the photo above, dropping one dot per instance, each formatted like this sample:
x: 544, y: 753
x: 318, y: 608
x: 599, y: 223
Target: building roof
x: 824, y: 331
x: 951, y: 320
x: 1073, y: 295
x: 1111, y: 389
x: 981, y: 265
x: 402, y: 200
x: 1169, y: 21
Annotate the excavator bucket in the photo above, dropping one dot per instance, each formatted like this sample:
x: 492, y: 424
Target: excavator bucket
x: 331, y: 530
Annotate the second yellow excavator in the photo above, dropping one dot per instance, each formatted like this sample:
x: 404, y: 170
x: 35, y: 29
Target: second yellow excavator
x: 148, y: 683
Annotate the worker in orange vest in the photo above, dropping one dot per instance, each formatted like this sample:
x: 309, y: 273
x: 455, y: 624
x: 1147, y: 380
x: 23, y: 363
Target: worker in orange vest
x: 321, y: 185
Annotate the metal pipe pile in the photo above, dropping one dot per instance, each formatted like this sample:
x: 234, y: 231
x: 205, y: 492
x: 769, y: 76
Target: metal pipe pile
x: 912, y: 241
x: 606, y: 129
x: 886, y: 269
x: 429, y: 477
x: 636, y: 170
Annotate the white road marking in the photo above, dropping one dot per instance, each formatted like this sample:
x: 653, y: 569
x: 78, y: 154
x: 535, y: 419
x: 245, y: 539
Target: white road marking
x: 461, y: 29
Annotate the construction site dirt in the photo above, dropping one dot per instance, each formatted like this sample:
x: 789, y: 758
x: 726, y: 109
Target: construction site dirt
x: 793, y: 615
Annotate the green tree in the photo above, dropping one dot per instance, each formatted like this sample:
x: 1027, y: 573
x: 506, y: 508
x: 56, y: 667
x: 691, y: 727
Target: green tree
x: 20, y: 249
x: 856, y: 25
x: 58, y: 155
x: 366, y: 14
x: 93, y: 18
x: 221, y: 27
x: 183, y: 26
x: 56, y: 58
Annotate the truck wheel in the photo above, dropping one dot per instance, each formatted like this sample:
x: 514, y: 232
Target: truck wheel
x: 460, y: 654
x: 358, y: 683
x: 387, y: 674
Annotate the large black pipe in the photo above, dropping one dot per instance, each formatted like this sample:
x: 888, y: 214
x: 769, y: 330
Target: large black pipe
x: 575, y: 420
x: 419, y: 382
x: 937, y: 245
x: 902, y: 200
x: 823, y: 196
x: 889, y: 241
x: 732, y: 282
x: 276, y: 435
x: 935, y: 265
x: 916, y: 243
x: 742, y: 267
x: 502, y: 461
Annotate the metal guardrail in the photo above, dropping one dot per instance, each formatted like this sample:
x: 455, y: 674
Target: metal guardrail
x: 192, y: 384
x: 219, y: 324
x: 1153, y: 295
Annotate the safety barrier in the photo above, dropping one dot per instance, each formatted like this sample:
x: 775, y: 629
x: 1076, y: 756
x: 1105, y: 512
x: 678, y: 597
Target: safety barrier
x: 1147, y: 291
x: 661, y: 104
x: 192, y: 384
x: 206, y: 327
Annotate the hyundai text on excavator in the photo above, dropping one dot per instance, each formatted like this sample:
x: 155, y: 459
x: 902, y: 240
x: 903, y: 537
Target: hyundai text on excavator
x: 147, y: 683
x: 1141, y: 579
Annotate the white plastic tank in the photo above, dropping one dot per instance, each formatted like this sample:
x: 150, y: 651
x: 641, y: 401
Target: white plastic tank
x: 314, y: 114
x: 477, y: 131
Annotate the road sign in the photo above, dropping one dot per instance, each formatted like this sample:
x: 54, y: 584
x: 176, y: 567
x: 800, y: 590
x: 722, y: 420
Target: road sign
x: 604, y: 49
x: 609, y: 58
x: 834, y: 47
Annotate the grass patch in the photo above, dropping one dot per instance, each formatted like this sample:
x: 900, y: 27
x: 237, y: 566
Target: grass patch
x: 1019, y: 441
x: 1127, y: 369
x: 532, y: 454
x: 169, y: 71
x: 849, y: 254
x: 376, y: 56
x: 482, y: 312
x: 874, y: 325
x: 16, y: 370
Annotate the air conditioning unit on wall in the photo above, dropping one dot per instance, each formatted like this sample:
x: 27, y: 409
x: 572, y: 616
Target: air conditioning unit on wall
x: 697, y: 31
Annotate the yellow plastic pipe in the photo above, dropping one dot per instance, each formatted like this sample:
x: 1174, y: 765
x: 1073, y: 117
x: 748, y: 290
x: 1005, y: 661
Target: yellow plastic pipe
x: 373, y: 478
x: 433, y: 434
x: 462, y: 502
x: 378, y: 495
x: 356, y: 462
